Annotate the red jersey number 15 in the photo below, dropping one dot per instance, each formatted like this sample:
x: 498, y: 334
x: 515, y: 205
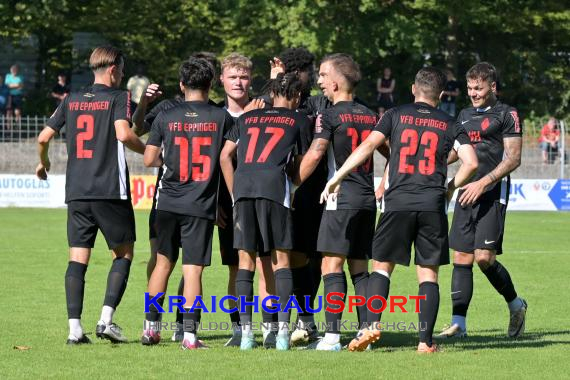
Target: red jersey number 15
x: 201, y: 163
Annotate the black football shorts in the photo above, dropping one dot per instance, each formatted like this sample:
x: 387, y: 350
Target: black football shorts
x: 115, y: 219
x: 397, y: 231
x: 192, y: 233
x: 347, y: 232
x: 262, y: 223
x: 480, y: 226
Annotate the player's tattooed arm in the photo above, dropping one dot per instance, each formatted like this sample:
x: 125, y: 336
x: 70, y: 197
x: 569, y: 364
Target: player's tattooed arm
x: 511, y: 160
x: 310, y: 160
x: 226, y: 164
x: 43, y: 147
x: 150, y: 94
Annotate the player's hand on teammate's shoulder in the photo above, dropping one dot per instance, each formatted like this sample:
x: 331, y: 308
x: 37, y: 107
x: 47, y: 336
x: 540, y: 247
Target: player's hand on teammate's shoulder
x: 41, y: 170
x: 255, y: 104
x: 277, y: 67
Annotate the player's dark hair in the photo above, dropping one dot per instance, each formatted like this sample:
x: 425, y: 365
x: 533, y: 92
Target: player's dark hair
x: 105, y: 56
x: 286, y: 85
x: 208, y: 56
x: 483, y: 71
x: 196, y: 74
x: 297, y: 59
x: 431, y: 82
x: 345, y: 66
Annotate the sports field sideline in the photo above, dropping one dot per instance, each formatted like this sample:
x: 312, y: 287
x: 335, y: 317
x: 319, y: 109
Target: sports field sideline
x: 33, y: 259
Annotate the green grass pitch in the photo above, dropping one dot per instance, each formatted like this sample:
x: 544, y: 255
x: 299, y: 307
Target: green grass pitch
x: 33, y: 259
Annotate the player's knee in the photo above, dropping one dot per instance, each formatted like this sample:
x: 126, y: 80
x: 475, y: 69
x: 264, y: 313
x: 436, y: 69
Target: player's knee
x: 463, y: 258
x: 484, y: 259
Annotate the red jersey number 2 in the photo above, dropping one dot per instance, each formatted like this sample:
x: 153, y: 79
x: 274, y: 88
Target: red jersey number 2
x: 85, y: 123
x: 201, y: 163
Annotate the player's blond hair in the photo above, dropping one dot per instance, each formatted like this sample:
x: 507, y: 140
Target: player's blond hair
x: 238, y: 61
x: 105, y: 56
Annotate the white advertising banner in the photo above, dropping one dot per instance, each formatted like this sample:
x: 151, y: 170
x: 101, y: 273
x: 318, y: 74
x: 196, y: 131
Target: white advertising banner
x: 28, y: 191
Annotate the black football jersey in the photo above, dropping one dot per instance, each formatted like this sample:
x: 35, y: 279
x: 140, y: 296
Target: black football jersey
x: 191, y: 134
x: 96, y: 164
x: 267, y: 140
x: 421, y: 138
x: 486, y: 129
x: 345, y: 126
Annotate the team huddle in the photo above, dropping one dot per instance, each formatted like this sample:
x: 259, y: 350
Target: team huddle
x: 288, y: 180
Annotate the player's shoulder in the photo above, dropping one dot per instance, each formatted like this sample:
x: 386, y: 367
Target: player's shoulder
x: 316, y: 104
x: 466, y: 113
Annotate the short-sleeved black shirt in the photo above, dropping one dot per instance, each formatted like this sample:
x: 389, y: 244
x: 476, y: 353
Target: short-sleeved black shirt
x: 191, y: 134
x: 421, y: 137
x: 96, y: 164
x: 267, y: 140
x: 486, y: 129
x: 345, y: 126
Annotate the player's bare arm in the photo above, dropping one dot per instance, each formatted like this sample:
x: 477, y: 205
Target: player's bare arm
x: 311, y: 160
x: 152, y: 157
x: 511, y: 161
x: 226, y: 157
x: 453, y: 157
x: 150, y: 94
x: 358, y: 157
x: 128, y: 137
x: 469, y: 163
x: 43, y: 147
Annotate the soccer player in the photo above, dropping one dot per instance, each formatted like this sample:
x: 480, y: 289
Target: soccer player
x: 421, y: 137
x: 192, y: 135
x: 142, y: 122
x: 266, y: 141
x: 235, y: 78
x: 97, y: 193
x: 478, y: 225
x: 347, y: 225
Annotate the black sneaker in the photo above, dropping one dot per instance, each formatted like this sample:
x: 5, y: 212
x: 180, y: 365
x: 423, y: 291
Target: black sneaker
x: 83, y: 340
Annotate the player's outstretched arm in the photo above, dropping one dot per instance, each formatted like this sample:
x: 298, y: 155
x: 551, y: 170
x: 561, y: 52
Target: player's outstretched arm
x: 227, y: 166
x: 310, y: 160
x: 152, y: 156
x: 357, y: 158
x: 128, y: 137
x: 511, y: 161
x: 150, y: 94
x: 43, y: 147
x: 469, y: 163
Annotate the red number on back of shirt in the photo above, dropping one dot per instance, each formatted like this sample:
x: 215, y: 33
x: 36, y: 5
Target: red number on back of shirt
x: 199, y: 173
x: 353, y: 133
x: 276, y: 135
x: 86, y: 122
x: 409, y: 140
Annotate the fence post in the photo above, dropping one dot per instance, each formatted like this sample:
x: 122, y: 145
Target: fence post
x: 562, y: 147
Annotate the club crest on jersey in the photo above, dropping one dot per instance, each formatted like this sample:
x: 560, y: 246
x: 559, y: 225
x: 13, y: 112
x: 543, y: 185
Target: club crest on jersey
x: 318, y: 123
x: 485, y: 124
x: 515, y: 117
x: 88, y: 95
x: 191, y: 114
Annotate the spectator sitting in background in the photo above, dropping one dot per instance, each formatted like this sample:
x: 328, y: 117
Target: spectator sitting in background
x: 549, y: 137
x: 450, y: 93
x: 137, y: 84
x: 61, y: 89
x: 15, y: 83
